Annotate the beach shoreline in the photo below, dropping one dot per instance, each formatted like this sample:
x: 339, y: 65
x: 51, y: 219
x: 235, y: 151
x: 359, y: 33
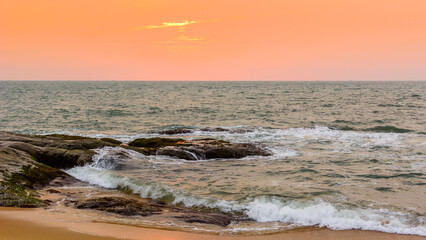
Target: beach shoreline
x: 18, y: 223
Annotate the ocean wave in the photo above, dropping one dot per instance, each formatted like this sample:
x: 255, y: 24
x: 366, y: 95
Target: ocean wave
x: 261, y: 209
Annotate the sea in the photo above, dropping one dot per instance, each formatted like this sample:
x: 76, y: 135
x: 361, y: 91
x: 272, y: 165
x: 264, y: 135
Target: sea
x: 345, y: 155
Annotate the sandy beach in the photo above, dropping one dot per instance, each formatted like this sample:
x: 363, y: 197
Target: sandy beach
x: 16, y: 224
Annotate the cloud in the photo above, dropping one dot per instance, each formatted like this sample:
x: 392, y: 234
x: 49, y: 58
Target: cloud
x: 181, y: 25
x: 183, y: 39
x: 171, y: 24
x: 188, y: 38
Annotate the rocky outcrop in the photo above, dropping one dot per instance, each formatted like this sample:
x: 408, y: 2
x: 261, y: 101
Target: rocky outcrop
x: 199, y: 149
x: 173, y: 132
x: 58, y: 151
x: 31, y: 164
x: 212, y: 149
x: 21, y: 176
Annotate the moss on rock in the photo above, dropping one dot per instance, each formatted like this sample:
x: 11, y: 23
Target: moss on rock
x: 18, y: 188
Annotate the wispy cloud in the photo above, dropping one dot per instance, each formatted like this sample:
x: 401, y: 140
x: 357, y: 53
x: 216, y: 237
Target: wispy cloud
x: 188, y: 38
x: 171, y: 24
x: 182, y: 39
x: 180, y: 25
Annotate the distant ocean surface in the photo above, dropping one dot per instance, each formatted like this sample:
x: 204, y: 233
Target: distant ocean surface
x: 346, y: 155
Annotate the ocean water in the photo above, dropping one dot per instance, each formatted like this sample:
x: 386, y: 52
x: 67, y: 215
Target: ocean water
x: 346, y: 155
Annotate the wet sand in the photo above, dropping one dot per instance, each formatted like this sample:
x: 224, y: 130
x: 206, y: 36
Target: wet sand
x: 38, y: 224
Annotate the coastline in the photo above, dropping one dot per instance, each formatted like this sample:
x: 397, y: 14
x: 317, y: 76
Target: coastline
x: 18, y: 223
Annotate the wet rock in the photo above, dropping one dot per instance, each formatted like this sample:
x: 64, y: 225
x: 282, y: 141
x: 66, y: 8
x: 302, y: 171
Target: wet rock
x: 131, y: 207
x: 212, y: 149
x: 110, y: 140
x: 219, y: 129
x: 177, y: 152
x: 198, y: 149
x: 175, y: 131
x: 59, y: 151
x: 55, y: 157
x: 57, y: 141
x: 115, y: 159
x: 210, y: 218
x: 119, y: 205
x: 156, y: 142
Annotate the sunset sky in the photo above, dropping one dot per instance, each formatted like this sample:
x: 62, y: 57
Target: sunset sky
x: 213, y: 40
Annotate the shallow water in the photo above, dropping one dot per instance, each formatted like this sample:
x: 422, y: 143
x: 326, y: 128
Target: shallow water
x: 346, y: 155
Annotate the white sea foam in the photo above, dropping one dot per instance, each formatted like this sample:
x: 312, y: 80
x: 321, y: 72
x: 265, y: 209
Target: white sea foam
x: 262, y: 209
x: 324, y: 214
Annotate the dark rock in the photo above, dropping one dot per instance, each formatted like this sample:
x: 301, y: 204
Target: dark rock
x: 55, y: 157
x: 155, y: 142
x: 218, y: 129
x: 177, y: 153
x: 119, y: 205
x: 197, y: 149
x: 59, y: 151
x: 211, y: 149
x: 240, y: 130
x: 57, y: 141
x: 210, y: 218
x: 52, y: 191
x: 110, y: 140
x: 175, y: 131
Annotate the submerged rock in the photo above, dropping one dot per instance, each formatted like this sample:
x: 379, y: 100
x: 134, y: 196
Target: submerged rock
x: 219, y: 129
x: 174, y: 132
x: 207, y: 218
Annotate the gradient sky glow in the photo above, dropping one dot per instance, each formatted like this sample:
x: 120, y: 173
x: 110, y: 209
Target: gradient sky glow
x: 213, y: 40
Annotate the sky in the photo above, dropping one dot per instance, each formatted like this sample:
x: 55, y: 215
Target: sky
x: 213, y: 40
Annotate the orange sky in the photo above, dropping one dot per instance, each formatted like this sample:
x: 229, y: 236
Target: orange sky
x: 213, y: 39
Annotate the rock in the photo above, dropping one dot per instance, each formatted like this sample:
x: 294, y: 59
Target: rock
x: 54, y: 157
x: 29, y: 167
x: 57, y: 141
x: 131, y: 207
x: 175, y: 131
x: 207, y: 218
x: 155, y: 142
x: 119, y: 205
x: 59, y: 151
x: 177, y: 152
x: 219, y: 129
x: 198, y: 149
x: 211, y: 149
x: 21, y: 176
x: 110, y: 140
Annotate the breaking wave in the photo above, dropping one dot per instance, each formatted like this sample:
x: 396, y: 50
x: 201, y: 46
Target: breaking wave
x: 316, y: 212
